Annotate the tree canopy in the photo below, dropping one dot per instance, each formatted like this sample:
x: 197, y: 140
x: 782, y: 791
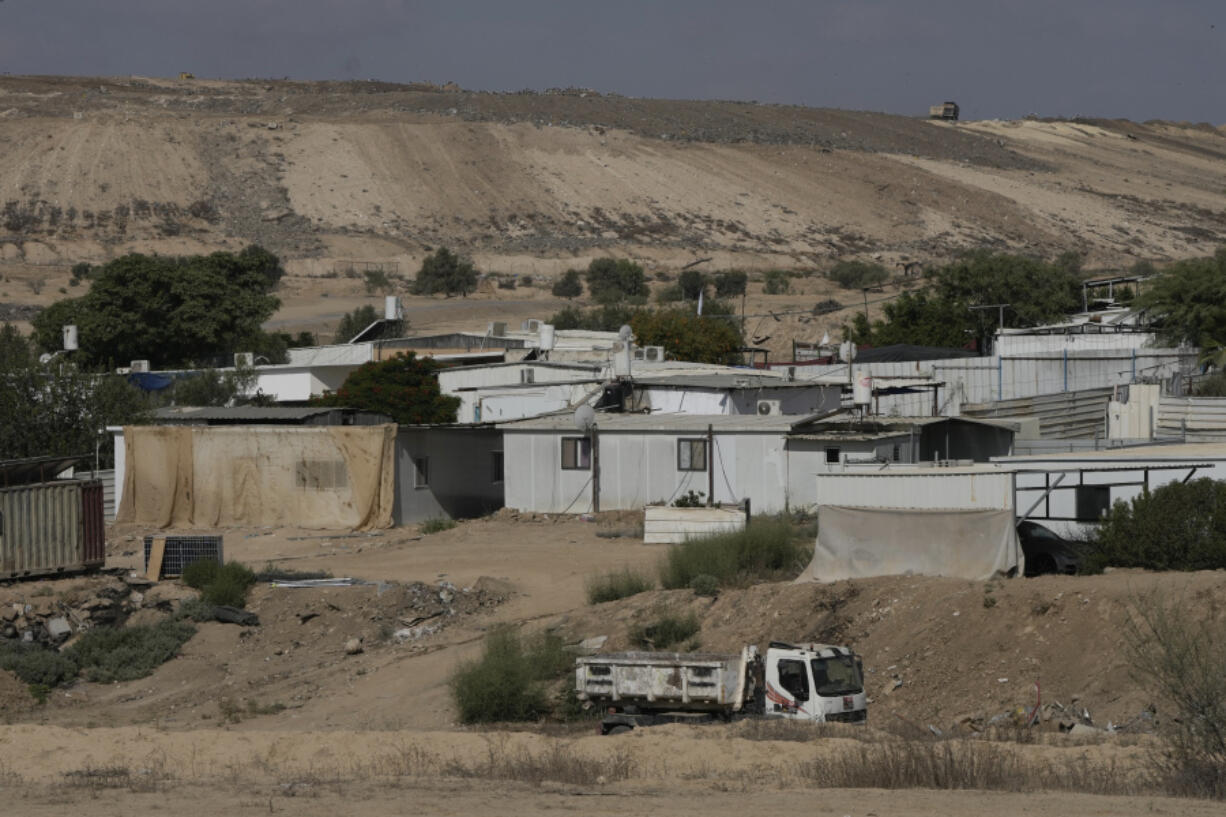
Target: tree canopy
x: 56, y: 408
x: 170, y: 310
x: 1188, y: 300
x: 444, y: 271
x: 610, y: 280
x: 568, y: 286
x: 941, y: 315
x: 707, y: 338
x: 1178, y: 526
x: 404, y: 388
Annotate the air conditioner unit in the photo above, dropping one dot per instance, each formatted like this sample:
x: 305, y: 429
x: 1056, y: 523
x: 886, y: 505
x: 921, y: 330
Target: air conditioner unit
x: 767, y: 408
x: 497, y: 329
x: 244, y: 360
x: 655, y: 354
x: 640, y: 353
x: 532, y: 325
x: 140, y: 366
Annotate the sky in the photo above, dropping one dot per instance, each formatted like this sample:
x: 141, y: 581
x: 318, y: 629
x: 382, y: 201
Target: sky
x: 1135, y: 59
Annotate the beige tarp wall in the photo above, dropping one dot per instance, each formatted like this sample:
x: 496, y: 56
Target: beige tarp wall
x: 258, y: 476
x: 856, y: 543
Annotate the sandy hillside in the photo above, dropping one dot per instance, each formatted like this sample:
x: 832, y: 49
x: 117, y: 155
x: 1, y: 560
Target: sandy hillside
x: 531, y: 184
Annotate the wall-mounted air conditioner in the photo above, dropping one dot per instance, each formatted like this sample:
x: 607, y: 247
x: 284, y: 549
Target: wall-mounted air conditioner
x: 244, y: 360
x: 140, y: 366
x: 654, y: 354
x: 769, y: 408
x: 532, y: 325
x: 640, y: 353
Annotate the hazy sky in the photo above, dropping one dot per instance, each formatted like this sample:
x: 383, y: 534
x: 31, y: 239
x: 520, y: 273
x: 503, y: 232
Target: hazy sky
x: 1139, y: 59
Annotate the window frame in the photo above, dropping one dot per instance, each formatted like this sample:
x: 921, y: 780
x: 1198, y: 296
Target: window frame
x: 421, y: 472
x: 804, y: 677
x: 838, y: 455
x: 582, y: 449
x: 498, y: 473
x: 688, y: 442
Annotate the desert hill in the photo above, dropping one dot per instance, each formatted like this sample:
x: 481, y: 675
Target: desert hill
x: 532, y: 183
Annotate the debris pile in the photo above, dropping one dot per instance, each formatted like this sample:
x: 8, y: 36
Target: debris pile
x: 35, y: 613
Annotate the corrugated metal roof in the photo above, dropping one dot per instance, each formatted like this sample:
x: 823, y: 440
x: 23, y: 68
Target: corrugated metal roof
x: 255, y: 414
x: 37, y: 469
x: 723, y: 381
x: 607, y: 423
x: 907, y: 422
x: 1177, y: 452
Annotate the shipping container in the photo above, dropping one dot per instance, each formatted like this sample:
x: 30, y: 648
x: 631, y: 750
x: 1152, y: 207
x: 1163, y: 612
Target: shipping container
x: 51, y: 527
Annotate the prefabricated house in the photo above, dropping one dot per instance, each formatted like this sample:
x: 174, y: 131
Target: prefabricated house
x: 633, y: 460
x: 306, y: 476
x: 733, y: 392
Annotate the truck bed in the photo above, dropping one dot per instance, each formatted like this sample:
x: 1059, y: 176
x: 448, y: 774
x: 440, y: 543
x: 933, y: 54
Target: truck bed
x: 704, y: 682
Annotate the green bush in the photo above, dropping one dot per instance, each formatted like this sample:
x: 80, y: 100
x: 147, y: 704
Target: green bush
x: 507, y: 683
x: 665, y: 631
x: 568, y: 286
x: 857, y: 274
x: 705, y: 584
x: 617, y: 584
x: 201, y: 573
x: 692, y: 284
x: 766, y: 549
x: 730, y: 283
x: 37, y: 665
x: 437, y: 524
x: 613, y: 280
x: 775, y: 282
x: 1179, y: 526
x: 107, y: 654
x: 228, y: 587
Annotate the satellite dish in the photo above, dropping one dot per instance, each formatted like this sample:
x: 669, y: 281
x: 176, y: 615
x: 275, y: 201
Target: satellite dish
x: 44, y: 358
x: 585, y: 418
x: 625, y: 333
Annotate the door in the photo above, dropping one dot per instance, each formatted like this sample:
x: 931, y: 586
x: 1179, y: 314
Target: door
x: 788, y: 687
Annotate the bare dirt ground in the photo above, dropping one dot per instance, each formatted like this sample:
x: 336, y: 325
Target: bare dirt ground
x: 531, y: 184
x: 250, y: 717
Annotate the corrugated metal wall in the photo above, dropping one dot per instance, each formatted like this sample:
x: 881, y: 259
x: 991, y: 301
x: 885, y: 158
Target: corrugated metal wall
x: 51, y: 527
x: 1070, y: 416
x: 990, y: 379
x: 107, y: 478
x: 1194, y: 419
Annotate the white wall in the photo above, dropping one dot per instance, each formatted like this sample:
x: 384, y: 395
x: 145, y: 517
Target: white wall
x: 470, y: 377
x: 738, y: 401
x: 641, y: 468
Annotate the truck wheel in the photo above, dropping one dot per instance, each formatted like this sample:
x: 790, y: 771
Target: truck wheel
x: 620, y: 729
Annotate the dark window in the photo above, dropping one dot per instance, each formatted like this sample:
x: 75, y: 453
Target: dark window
x: 421, y: 472
x: 527, y: 376
x: 794, y: 679
x: 496, y: 466
x: 576, y: 453
x: 896, y: 457
x: 832, y: 455
x: 691, y: 455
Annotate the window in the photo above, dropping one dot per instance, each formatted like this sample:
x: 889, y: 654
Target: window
x: 576, y: 453
x: 527, y: 375
x: 496, y: 466
x: 832, y: 455
x: 421, y: 472
x: 837, y: 676
x: 896, y: 456
x: 692, y: 455
x: 794, y: 679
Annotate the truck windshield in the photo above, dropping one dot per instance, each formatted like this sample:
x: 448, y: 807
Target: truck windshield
x: 837, y: 676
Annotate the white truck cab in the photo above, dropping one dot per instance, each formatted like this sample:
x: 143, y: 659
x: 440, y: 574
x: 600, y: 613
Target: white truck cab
x: 814, y: 682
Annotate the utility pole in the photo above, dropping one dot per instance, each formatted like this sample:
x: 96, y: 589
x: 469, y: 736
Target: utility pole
x: 1000, y: 307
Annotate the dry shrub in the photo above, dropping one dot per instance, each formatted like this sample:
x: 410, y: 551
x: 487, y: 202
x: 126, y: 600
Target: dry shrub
x: 964, y: 764
x: 617, y: 584
x: 1181, y: 656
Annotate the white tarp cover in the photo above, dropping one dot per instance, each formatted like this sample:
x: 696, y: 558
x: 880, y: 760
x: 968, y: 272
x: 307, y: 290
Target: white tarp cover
x: 258, y: 476
x: 856, y: 543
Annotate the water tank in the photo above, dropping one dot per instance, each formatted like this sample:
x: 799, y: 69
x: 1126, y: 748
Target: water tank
x: 622, y: 355
x: 391, y: 308
x: 546, y: 337
x: 70, y: 337
x: 862, y: 390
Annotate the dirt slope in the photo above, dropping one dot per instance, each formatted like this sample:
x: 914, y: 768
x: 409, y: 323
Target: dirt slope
x: 530, y: 184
